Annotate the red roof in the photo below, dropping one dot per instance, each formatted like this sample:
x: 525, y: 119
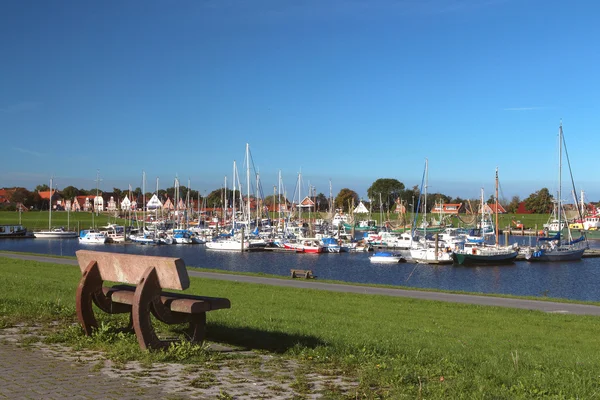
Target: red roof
x: 5, y: 195
x: 45, y: 194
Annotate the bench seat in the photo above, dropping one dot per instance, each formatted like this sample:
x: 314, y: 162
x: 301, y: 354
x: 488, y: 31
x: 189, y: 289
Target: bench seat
x: 177, y: 302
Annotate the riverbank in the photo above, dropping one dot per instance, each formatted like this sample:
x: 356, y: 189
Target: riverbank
x: 390, y: 346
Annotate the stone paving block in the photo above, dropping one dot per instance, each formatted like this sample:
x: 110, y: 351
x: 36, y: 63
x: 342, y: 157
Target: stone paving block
x: 29, y: 374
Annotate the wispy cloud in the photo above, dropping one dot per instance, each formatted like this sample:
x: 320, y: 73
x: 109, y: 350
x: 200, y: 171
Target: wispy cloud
x: 524, y: 108
x: 30, y: 152
x: 20, y: 107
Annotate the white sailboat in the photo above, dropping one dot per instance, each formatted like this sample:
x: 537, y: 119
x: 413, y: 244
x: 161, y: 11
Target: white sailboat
x: 425, y: 251
x: 54, y: 233
x: 233, y: 241
x: 557, y: 248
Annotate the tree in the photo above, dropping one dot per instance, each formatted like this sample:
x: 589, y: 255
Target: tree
x: 344, y: 199
x: 23, y: 196
x: 215, y: 198
x: 118, y: 194
x: 389, y: 189
x: 513, y: 206
x: 540, y: 202
x: 42, y: 188
x: 70, y: 192
x: 322, y: 203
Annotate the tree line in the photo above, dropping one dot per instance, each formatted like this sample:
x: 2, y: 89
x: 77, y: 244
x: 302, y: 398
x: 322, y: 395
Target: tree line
x: 384, y: 195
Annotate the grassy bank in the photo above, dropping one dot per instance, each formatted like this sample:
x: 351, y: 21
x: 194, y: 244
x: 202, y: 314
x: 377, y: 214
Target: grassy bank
x: 35, y: 220
x: 39, y: 219
x: 396, y: 347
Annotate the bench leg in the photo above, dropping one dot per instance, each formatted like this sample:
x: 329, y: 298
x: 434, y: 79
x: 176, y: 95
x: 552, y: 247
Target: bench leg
x: 89, y: 286
x: 197, y: 329
x: 89, y: 292
x: 147, y: 296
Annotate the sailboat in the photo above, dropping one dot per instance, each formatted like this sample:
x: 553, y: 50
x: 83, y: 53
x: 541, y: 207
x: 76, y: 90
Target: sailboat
x: 555, y: 248
x: 56, y: 233
x: 479, y: 252
x: 426, y: 251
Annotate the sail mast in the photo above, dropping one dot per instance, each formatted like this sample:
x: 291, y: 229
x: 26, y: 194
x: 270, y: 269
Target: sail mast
x: 559, y: 181
x: 50, y: 207
x: 248, y: 183
x: 497, y: 208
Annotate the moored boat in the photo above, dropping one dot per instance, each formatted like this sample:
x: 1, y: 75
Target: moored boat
x: 12, y: 231
x: 92, y: 236
x: 56, y: 233
x: 386, y: 257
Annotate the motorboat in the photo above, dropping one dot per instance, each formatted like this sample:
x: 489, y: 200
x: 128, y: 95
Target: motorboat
x: 92, y: 236
x: 386, y: 257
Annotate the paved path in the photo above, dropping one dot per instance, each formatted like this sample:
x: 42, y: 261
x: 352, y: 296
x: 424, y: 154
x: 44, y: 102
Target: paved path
x: 29, y: 374
x: 547, y: 306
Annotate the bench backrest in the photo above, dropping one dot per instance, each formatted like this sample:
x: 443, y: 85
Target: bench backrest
x: 130, y: 268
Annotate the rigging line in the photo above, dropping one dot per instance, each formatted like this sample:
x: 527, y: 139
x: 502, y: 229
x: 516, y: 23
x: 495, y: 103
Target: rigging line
x: 409, y: 275
x: 418, y: 203
x: 571, y: 174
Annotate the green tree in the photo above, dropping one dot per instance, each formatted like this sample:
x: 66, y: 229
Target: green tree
x: 42, y: 188
x: 389, y: 189
x: 513, y: 206
x: 118, y: 194
x: 344, y: 199
x: 70, y: 192
x: 23, y: 196
x: 322, y: 203
x: 540, y: 202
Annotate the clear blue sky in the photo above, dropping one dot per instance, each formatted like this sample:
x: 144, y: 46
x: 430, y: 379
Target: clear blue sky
x: 350, y: 91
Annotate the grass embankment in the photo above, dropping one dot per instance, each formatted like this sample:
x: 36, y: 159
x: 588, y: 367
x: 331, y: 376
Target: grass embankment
x: 396, y: 347
x: 35, y: 220
x: 39, y: 219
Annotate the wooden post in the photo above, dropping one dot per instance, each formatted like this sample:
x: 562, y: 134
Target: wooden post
x: 506, y: 238
x: 242, y: 238
x: 436, y: 245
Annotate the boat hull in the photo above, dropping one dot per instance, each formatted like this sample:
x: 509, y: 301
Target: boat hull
x: 56, y: 235
x: 555, y: 255
x: 485, y: 259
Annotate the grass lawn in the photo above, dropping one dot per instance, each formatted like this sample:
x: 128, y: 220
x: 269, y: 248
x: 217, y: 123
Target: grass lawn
x: 36, y: 220
x: 395, y: 347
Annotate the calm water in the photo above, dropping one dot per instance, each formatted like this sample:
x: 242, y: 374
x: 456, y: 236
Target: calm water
x: 573, y: 280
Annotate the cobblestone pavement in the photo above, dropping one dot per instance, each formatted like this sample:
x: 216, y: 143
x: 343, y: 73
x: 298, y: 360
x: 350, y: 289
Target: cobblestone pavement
x: 28, y: 373
x: 31, y: 369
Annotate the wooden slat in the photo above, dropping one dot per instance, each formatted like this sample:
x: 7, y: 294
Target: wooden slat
x: 189, y: 304
x: 129, y: 268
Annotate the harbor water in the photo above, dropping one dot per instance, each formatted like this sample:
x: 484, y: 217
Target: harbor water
x: 578, y: 280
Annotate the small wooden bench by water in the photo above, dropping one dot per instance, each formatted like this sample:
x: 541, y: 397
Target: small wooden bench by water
x: 150, y: 275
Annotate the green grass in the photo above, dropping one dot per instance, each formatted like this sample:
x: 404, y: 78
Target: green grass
x: 35, y: 220
x: 395, y: 347
x: 39, y: 219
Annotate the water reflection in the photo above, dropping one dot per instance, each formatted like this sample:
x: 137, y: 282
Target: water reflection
x: 572, y: 280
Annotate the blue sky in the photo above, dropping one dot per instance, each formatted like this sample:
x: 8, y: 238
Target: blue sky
x: 347, y: 91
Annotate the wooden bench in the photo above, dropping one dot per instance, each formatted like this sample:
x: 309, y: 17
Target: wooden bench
x: 302, y: 273
x: 150, y: 275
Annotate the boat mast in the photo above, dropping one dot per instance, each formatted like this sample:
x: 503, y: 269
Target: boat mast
x: 144, y: 201
x: 50, y: 207
x: 559, y: 182
x: 248, y: 182
x: 496, y: 229
x: 233, y: 195
x: 425, y: 199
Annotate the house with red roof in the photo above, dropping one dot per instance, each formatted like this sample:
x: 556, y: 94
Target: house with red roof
x: 446, y: 208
